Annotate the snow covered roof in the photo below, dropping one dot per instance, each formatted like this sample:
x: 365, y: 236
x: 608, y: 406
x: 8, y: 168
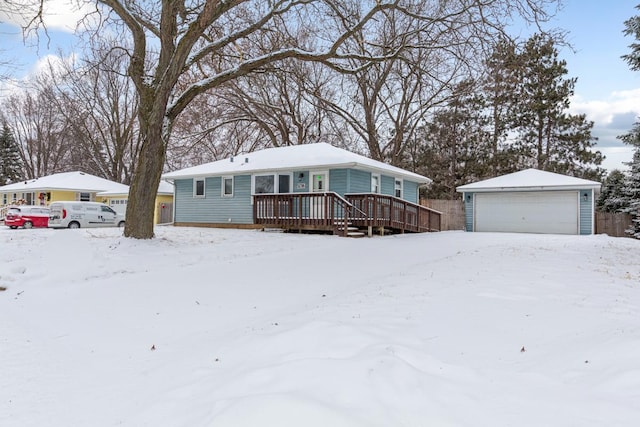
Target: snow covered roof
x: 306, y: 156
x: 67, y: 181
x: 530, y: 180
x: 164, y: 188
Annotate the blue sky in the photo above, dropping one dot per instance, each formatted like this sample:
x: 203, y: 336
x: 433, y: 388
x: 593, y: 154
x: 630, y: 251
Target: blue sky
x: 607, y: 91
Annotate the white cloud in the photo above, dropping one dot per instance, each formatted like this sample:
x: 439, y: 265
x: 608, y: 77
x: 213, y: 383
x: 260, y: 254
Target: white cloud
x: 43, y: 67
x: 52, y: 64
x: 616, y: 157
x: 603, y: 111
x: 612, y: 117
x: 64, y: 15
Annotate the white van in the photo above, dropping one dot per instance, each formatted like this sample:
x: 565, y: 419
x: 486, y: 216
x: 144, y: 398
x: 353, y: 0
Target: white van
x: 83, y: 214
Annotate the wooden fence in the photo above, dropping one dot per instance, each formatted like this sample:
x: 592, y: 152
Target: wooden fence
x: 613, y: 224
x: 452, y: 217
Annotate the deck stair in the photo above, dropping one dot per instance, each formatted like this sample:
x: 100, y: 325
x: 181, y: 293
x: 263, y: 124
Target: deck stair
x: 352, y: 231
x: 273, y: 230
x: 355, y: 233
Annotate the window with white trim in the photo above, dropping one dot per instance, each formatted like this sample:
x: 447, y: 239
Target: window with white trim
x: 284, y: 183
x: 227, y: 186
x: 83, y: 197
x: 198, y: 187
x: 264, y: 184
x: 272, y: 183
x: 375, y: 183
x: 398, y: 188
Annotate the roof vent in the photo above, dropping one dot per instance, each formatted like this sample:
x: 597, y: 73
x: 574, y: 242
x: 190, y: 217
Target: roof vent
x: 231, y: 159
x: 246, y: 160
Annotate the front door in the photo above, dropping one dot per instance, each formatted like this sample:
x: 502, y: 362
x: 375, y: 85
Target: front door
x: 319, y: 182
x: 318, y: 185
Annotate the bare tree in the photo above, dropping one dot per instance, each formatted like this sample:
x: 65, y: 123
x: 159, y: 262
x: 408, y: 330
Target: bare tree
x: 387, y: 102
x: 28, y: 13
x: 101, y: 106
x: 170, y: 39
x: 40, y: 130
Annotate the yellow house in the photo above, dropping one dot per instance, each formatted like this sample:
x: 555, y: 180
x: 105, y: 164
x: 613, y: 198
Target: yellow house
x: 79, y: 186
x: 163, y: 212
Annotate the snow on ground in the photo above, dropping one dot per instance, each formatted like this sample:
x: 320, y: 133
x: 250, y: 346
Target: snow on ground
x: 207, y: 327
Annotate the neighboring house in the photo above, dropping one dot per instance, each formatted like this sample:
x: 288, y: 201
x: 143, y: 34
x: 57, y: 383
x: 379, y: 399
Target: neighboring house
x: 78, y: 186
x: 163, y: 212
x: 311, y: 186
x: 42, y: 191
x: 531, y: 201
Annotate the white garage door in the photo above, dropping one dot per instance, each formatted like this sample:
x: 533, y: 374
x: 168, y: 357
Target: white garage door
x: 119, y: 205
x: 527, y: 212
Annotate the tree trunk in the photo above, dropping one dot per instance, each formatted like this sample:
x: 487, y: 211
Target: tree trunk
x: 146, y: 178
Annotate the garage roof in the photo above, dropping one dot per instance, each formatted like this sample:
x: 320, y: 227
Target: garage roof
x: 530, y: 180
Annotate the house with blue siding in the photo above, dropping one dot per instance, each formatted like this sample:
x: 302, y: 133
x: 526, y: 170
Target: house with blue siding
x: 531, y: 201
x: 301, y: 187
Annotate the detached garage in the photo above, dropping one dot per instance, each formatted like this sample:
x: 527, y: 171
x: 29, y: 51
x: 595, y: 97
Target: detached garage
x: 530, y: 201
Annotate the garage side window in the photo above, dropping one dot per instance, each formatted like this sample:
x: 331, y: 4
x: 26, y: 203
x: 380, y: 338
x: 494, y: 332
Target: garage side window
x: 198, y: 187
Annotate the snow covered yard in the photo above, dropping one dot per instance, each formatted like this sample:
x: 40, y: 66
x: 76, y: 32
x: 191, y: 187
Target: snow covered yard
x: 207, y: 327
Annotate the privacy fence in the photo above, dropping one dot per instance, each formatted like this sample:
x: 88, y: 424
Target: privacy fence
x: 452, y: 217
x: 613, y: 224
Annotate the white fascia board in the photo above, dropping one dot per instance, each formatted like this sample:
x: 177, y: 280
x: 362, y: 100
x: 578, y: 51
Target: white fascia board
x: 532, y: 188
x: 355, y: 165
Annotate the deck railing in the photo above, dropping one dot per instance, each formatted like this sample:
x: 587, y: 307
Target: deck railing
x: 387, y: 211
x: 330, y: 211
x: 312, y: 211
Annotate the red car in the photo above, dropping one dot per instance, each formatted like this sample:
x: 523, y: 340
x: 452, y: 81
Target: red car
x: 27, y: 216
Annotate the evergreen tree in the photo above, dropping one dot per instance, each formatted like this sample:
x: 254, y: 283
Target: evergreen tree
x: 612, y: 198
x: 632, y: 28
x: 548, y: 137
x: 456, y: 147
x: 501, y: 77
x: 632, y: 190
x: 10, y: 162
x: 632, y: 183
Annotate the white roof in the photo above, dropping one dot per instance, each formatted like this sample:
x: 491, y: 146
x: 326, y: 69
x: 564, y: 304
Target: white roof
x: 67, y: 181
x: 295, y: 157
x: 530, y: 180
x: 164, y: 188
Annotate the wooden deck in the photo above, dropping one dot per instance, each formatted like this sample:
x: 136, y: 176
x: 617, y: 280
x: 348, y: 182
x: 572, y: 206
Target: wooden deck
x: 330, y: 212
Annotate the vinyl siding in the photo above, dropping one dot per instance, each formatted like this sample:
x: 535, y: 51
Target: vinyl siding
x: 214, y: 208
x: 410, y: 191
x: 339, y: 181
x: 468, y: 211
x: 387, y: 185
x: 360, y: 181
x: 301, y: 183
x: 586, y: 212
